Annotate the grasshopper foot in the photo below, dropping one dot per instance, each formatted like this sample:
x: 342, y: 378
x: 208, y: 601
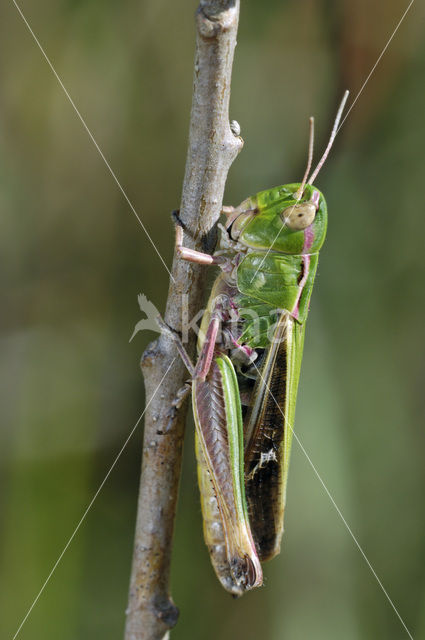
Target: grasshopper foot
x: 209, y: 240
x: 175, y: 216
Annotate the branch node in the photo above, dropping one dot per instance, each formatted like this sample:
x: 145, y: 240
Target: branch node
x: 235, y: 128
x: 166, y: 611
x: 149, y: 355
x: 213, y: 18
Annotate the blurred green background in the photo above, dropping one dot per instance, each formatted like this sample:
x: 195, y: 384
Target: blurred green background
x: 74, y: 259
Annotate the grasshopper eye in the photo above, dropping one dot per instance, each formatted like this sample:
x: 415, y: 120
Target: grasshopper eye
x: 299, y: 216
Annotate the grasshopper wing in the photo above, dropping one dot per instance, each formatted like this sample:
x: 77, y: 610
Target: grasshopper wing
x: 268, y: 434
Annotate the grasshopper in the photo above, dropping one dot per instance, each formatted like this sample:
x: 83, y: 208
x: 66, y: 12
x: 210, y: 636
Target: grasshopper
x: 244, y: 384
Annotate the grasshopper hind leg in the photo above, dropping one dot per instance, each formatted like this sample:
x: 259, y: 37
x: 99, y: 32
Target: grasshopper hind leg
x: 219, y: 450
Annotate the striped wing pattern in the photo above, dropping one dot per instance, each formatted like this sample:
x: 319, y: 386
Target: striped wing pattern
x: 220, y: 472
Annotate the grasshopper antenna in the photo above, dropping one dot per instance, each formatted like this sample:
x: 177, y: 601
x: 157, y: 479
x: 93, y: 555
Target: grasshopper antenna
x: 331, y: 139
x: 299, y: 192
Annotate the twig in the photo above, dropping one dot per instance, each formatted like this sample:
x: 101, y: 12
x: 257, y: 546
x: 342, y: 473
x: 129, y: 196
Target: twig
x: 212, y: 148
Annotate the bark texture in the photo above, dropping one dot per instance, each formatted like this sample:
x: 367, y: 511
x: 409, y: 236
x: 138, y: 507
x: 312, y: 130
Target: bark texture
x: 212, y: 148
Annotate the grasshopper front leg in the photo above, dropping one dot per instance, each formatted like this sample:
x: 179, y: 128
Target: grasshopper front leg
x: 190, y: 254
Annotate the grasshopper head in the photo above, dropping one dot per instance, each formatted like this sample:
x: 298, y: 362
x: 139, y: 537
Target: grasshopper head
x: 291, y: 219
x: 280, y: 220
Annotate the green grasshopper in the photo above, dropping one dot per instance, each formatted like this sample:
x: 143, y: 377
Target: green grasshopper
x: 244, y: 384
